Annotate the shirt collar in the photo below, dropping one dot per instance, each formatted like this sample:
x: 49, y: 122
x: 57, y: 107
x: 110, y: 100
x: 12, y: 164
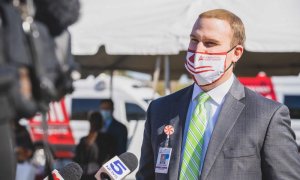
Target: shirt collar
x: 106, y: 124
x: 218, y: 93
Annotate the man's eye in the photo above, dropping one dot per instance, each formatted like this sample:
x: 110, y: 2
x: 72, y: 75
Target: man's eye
x: 210, y: 44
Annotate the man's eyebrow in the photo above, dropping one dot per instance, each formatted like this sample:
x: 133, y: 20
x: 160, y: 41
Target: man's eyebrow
x: 192, y: 36
x: 211, y: 40
x: 205, y: 38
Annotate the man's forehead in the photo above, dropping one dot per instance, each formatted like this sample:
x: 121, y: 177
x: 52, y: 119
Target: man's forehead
x: 211, y: 23
x: 211, y: 28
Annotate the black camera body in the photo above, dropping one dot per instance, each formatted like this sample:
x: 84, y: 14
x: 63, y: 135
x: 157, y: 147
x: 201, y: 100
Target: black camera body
x: 35, y: 65
x: 35, y: 68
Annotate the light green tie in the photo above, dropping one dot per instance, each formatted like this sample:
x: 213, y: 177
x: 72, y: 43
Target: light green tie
x: 194, y: 142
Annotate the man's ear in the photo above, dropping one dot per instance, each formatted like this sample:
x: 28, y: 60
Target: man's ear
x: 238, y: 51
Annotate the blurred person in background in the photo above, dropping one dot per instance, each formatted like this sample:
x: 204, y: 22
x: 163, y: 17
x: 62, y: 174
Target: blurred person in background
x: 94, y: 149
x: 24, y: 149
x: 24, y: 146
x: 112, y: 126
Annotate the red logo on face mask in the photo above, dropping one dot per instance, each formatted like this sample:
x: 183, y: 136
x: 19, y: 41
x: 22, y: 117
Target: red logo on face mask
x: 192, y: 58
x: 201, y: 58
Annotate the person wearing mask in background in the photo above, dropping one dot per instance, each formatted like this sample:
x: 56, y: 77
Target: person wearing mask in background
x: 113, y: 127
x: 94, y: 149
x: 217, y: 128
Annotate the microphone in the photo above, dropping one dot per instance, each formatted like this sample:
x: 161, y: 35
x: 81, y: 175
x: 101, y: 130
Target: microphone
x: 118, y: 167
x: 57, y: 15
x: 71, y: 171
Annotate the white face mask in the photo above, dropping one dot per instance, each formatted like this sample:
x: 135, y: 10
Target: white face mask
x: 206, y: 68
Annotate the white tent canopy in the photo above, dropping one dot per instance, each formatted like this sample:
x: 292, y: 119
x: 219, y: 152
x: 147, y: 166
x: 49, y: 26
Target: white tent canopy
x: 162, y: 27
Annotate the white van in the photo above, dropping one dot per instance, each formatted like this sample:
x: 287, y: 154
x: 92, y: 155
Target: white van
x: 68, y: 119
x: 131, y: 99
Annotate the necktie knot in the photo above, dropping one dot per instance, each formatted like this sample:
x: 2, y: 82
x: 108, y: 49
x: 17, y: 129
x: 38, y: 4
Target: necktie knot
x: 202, y: 97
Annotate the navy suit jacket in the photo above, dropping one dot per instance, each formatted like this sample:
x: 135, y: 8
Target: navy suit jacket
x: 119, y: 132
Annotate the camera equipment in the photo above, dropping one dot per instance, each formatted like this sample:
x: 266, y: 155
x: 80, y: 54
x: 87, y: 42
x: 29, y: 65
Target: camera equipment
x: 36, y: 66
x: 35, y: 63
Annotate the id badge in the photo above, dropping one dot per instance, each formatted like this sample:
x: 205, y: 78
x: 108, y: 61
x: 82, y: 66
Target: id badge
x: 163, y: 160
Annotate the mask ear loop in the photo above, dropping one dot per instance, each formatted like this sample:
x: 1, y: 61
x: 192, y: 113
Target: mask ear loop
x: 232, y: 63
x: 231, y: 48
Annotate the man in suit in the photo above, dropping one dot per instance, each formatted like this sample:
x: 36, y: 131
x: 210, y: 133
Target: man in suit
x: 222, y: 130
x: 113, y: 127
x: 94, y: 149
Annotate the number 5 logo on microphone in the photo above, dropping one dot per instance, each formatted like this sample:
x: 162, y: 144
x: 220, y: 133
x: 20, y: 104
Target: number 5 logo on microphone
x: 118, y: 167
x: 115, y: 168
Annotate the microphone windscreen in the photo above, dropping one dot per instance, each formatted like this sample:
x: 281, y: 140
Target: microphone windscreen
x: 57, y: 15
x: 71, y: 171
x: 130, y: 160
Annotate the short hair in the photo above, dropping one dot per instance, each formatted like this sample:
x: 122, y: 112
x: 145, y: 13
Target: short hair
x: 109, y: 101
x: 236, y: 24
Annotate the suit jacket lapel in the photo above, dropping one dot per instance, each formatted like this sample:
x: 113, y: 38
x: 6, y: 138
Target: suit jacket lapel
x: 230, y: 111
x: 181, y: 107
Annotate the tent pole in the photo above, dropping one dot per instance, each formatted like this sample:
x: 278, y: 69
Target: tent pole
x: 156, y: 75
x: 111, y: 83
x: 167, y: 75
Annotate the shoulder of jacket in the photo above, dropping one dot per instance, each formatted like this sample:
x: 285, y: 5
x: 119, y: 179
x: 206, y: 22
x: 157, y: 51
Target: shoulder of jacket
x: 256, y: 97
x: 171, y: 97
x: 118, y: 123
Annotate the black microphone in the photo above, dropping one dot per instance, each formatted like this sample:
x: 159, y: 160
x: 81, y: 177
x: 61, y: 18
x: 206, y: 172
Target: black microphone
x: 118, y: 167
x: 57, y: 15
x: 71, y: 171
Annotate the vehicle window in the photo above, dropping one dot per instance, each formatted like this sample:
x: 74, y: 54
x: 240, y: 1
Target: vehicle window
x: 134, y: 112
x: 81, y: 107
x: 293, y: 103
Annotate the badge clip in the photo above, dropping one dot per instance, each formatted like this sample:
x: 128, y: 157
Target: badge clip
x: 168, y: 130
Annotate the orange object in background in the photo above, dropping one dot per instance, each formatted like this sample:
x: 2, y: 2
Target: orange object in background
x: 60, y: 135
x: 261, y: 84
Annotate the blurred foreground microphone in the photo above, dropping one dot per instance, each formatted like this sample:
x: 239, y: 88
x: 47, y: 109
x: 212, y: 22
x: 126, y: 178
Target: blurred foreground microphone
x: 71, y: 171
x: 118, y: 167
x: 57, y: 15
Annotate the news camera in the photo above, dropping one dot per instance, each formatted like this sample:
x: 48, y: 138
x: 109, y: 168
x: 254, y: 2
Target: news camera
x: 36, y: 63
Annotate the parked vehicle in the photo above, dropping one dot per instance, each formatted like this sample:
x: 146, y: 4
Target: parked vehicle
x: 130, y: 98
x: 68, y: 119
